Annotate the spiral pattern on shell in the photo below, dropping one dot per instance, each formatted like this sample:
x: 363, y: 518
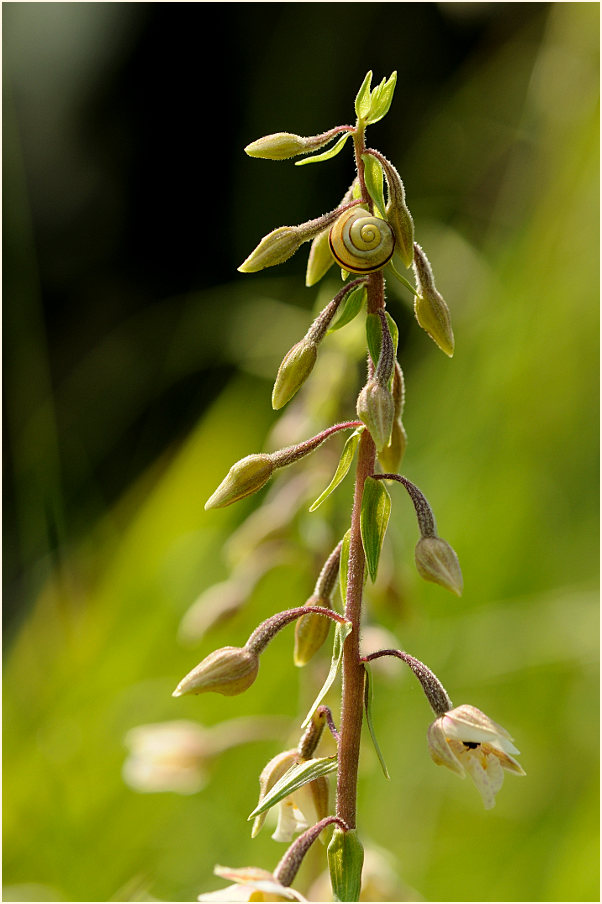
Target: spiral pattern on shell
x: 360, y: 242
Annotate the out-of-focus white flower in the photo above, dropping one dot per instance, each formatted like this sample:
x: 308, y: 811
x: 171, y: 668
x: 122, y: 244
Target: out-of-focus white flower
x: 251, y: 884
x: 466, y: 740
x: 175, y: 756
x: 303, y: 808
x: 167, y: 756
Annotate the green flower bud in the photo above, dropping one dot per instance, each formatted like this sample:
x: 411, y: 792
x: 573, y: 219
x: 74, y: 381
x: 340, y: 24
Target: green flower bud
x: 279, y: 146
x: 311, y: 631
x: 228, y: 671
x: 376, y: 408
x: 274, y: 248
x: 320, y: 259
x: 392, y: 454
x: 430, y: 308
x: 402, y: 224
x: 436, y: 561
x: 282, y: 145
x: 296, y: 367
x: 280, y: 244
x: 245, y: 477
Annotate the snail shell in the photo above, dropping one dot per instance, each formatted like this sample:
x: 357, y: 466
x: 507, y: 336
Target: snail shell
x: 361, y: 243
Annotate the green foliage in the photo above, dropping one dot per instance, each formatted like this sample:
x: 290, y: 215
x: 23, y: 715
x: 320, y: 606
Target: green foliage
x: 376, y: 509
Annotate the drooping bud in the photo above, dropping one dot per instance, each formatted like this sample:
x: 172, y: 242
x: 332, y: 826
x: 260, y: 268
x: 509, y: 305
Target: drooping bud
x: 375, y: 407
x: 296, y: 367
x: 310, y: 632
x: 228, y: 671
x: 430, y: 308
x: 282, y: 145
x: 391, y: 455
x: 320, y: 259
x: 397, y: 213
x: 436, y: 561
x: 244, y: 477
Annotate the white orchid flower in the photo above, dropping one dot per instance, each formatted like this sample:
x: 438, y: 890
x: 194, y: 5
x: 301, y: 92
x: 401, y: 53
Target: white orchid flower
x: 251, y: 884
x: 466, y: 740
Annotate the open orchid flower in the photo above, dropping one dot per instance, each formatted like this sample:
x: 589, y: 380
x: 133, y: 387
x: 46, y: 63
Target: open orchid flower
x: 297, y: 811
x: 251, y: 884
x: 466, y: 740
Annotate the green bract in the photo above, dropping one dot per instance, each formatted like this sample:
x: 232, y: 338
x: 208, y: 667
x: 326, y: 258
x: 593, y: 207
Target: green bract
x: 326, y: 155
x: 345, y: 861
x: 376, y: 508
x: 297, y: 776
x: 342, y: 470
x: 373, y: 176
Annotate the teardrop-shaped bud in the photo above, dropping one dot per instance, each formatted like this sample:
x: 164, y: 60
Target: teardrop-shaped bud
x: 296, y: 367
x: 228, y: 671
x: 274, y: 248
x: 436, y: 561
x: 376, y: 408
x: 244, y: 477
x: 311, y: 631
x: 281, y: 243
x: 430, y: 308
x: 391, y: 455
x: 282, y: 145
x: 320, y: 259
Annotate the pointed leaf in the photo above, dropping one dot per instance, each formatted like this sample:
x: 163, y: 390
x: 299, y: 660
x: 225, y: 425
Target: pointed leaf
x: 373, y: 176
x: 368, y: 708
x: 344, y: 567
x: 340, y: 634
x: 376, y: 508
x: 374, y: 335
x: 342, y: 469
x: 405, y: 282
x: 297, y: 776
x: 363, y: 98
x: 325, y: 155
x: 350, y: 308
x: 381, y: 99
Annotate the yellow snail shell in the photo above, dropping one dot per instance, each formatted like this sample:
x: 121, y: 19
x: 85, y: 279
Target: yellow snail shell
x: 361, y: 243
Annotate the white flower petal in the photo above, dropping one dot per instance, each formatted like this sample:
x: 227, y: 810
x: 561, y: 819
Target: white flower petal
x: 229, y: 893
x: 442, y: 752
x: 467, y: 723
x: 484, y: 775
x: 288, y: 823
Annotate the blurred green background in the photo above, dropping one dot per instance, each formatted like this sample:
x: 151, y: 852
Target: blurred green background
x: 138, y: 366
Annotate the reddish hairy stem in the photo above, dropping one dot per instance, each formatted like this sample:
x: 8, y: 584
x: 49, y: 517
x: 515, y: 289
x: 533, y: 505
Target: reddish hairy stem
x: 353, y: 670
x: 288, y: 867
x: 262, y: 635
x: 287, y: 456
